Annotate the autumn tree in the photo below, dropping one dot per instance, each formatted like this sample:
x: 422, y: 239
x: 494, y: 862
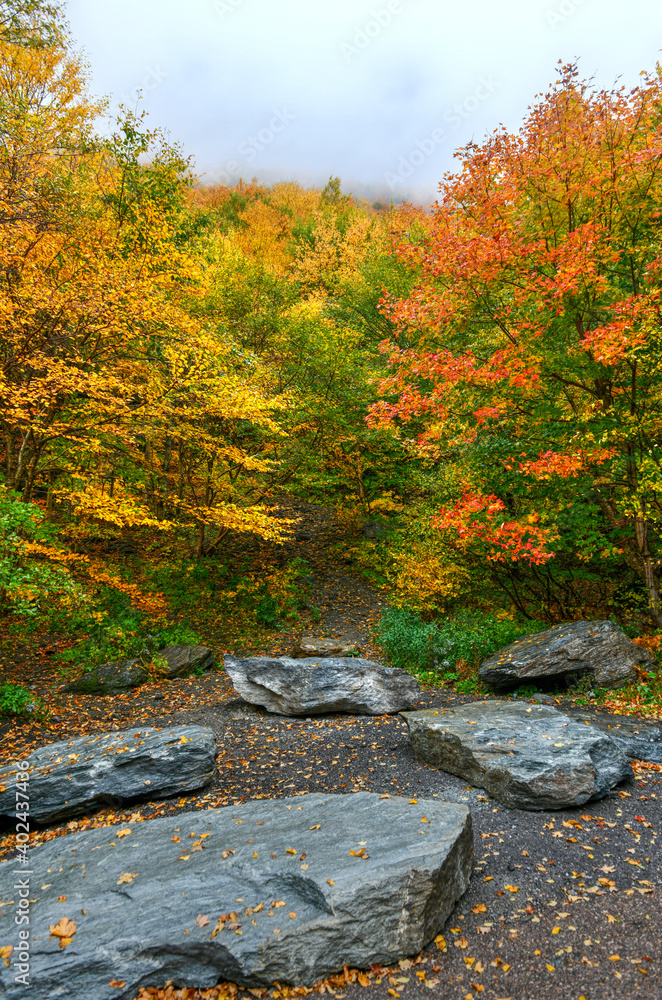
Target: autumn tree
x: 527, y: 361
x: 116, y: 401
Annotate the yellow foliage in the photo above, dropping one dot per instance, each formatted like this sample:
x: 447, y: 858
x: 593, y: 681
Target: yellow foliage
x: 424, y: 578
x: 335, y: 256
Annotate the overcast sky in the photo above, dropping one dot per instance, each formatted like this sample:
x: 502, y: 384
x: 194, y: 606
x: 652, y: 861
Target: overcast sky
x: 379, y: 93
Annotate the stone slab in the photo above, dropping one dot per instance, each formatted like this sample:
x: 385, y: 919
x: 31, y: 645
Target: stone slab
x: 639, y: 739
x: 237, y: 901
x: 525, y: 756
x: 598, y: 648
x: 75, y: 776
x: 311, y: 686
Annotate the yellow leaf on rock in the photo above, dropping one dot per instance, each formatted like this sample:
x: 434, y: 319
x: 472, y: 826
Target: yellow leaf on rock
x: 64, y: 929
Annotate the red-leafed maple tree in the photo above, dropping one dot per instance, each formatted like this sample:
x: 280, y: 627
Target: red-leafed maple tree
x: 528, y: 354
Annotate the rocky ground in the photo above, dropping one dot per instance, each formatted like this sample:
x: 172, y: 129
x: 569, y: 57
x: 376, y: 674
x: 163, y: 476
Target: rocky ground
x: 561, y: 905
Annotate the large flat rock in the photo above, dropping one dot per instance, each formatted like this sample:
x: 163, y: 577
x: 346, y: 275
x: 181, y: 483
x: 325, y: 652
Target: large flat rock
x: 75, y: 776
x: 598, y: 648
x: 525, y: 756
x: 227, y: 894
x: 637, y: 738
x: 310, y: 686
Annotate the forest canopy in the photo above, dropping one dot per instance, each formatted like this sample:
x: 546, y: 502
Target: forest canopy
x: 483, y: 377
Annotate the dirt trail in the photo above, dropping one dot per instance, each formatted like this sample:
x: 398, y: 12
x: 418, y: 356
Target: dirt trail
x: 349, y: 607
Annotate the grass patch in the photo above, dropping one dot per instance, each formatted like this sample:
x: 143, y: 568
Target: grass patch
x: 448, y: 651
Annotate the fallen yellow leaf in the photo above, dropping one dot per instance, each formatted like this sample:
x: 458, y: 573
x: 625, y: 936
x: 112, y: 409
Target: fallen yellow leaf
x: 126, y: 877
x: 512, y: 888
x: 64, y: 929
x: 440, y: 942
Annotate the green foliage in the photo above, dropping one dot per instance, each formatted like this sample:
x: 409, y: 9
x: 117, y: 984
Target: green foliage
x: 28, y: 579
x: 115, y: 630
x: 438, y: 647
x: 17, y: 700
x: 32, y: 23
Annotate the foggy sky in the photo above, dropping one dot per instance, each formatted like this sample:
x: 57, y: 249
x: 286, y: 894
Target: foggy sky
x: 379, y: 93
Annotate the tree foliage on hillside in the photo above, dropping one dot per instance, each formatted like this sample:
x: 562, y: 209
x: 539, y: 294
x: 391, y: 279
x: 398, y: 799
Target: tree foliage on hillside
x: 485, y: 376
x: 528, y: 358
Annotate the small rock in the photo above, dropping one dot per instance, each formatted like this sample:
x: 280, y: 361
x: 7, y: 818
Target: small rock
x: 324, y: 647
x: 110, y: 677
x: 76, y: 776
x: 311, y: 686
x: 350, y: 904
x: 123, y: 674
x: 597, y: 648
x: 542, y: 699
x: 527, y: 757
x: 184, y: 660
x: 374, y: 529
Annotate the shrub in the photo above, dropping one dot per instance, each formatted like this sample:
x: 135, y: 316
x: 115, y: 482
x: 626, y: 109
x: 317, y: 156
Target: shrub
x: 17, y: 700
x: 437, y: 647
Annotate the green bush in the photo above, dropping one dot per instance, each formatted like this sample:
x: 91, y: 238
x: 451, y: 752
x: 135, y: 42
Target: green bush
x: 436, y: 647
x: 117, y: 630
x: 17, y: 700
x: 29, y: 581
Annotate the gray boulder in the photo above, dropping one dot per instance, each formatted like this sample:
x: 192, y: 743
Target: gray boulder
x: 637, y: 738
x: 324, y: 647
x: 79, y: 775
x: 285, y: 891
x: 309, y: 686
x: 172, y: 661
x: 183, y: 660
x: 525, y: 756
x: 110, y: 677
x: 597, y: 648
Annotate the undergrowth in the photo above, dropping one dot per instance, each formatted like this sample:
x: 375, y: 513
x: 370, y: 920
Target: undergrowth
x: 17, y: 700
x: 449, y: 650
